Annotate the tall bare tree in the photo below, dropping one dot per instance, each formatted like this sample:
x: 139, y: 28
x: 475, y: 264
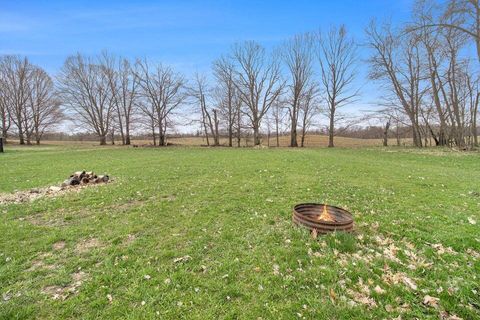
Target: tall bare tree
x: 258, y: 81
x: 308, y: 108
x: 337, y: 53
x: 224, y: 71
x: 473, y: 96
x: 396, y: 62
x: 458, y: 15
x: 43, y: 104
x: 85, y: 90
x: 5, y: 121
x: 16, y: 74
x: 163, y: 89
x: 209, y: 123
x: 124, y: 87
x: 298, y: 55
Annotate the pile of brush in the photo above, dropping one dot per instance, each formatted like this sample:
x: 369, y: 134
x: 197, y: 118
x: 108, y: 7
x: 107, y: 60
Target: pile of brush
x: 85, y: 177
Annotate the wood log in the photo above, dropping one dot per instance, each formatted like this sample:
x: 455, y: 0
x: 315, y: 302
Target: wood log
x: 79, y: 174
x: 72, y: 181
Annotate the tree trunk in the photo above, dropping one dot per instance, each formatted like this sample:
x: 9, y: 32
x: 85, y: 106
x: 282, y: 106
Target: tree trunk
x: 153, y: 134
x: 256, y: 136
x: 103, y: 140
x: 230, y: 130
x: 302, y: 142
x: 239, y: 127
x: 331, y: 131
x: 385, y: 134
x: 215, y: 120
x: 293, y: 131
x: 397, y: 135
x: 127, y: 134
x: 474, y: 129
x: 120, y: 124
x: 277, y: 133
x: 20, y: 135
x: 4, y: 136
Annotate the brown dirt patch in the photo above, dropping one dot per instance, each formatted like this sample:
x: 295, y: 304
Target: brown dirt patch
x: 60, y: 245
x: 62, y: 293
x: 37, y: 193
x: 129, y: 239
x: 87, y: 245
x: 39, y: 263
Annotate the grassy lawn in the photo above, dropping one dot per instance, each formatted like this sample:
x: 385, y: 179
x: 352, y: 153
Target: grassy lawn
x: 207, y: 233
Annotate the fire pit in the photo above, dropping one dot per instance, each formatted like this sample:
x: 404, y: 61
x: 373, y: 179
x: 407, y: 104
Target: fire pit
x: 322, y: 218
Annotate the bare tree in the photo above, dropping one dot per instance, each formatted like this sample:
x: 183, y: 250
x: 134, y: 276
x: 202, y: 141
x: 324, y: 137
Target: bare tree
x: 124, y: 87
x: 396, y: 61
x: 43, y: 104
x: 5, y: 121
x: 149, y: 119
x: 473, y: 96
x: 227, y: 94
x: 85, y: 89
x: 164, y: 90
x: 459, y: 15
x: 258, y: 81
x: 208, y: 123
x: 298, y: 55
x: 16, y: 74
x: 308, y: 108
x: 337, y: 54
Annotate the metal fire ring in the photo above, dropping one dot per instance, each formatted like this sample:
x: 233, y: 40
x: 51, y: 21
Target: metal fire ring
x: 307, y: 215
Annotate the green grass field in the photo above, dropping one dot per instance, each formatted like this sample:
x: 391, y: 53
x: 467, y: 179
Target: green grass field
x: 199, y: 233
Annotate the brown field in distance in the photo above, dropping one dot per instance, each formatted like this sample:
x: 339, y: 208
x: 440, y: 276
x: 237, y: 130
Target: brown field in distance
x: 311, y: 141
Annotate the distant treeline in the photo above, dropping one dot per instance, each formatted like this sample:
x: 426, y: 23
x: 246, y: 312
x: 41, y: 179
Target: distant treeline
x: 426, y: 70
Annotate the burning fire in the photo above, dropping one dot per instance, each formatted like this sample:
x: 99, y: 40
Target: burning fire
x: 326, y: 216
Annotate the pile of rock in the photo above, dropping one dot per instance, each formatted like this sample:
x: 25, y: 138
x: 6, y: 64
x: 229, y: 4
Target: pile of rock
x: 84, y: 177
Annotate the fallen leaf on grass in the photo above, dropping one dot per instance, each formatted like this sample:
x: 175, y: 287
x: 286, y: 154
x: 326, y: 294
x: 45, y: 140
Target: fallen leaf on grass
x: 430, y: 301
x: 182, y: 259
x: 333, y: 296
x: 409, y: 282
x: 276, y: 269
x: 444, y: 315
x: 471, y: 220
x: 362, y: 298
x: 379, y: 290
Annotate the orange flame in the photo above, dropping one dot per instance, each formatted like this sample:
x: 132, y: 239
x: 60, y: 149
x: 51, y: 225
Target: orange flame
x: 326, y: 216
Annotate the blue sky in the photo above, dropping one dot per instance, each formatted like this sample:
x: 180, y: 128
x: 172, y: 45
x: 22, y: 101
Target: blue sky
x: 188, y: 35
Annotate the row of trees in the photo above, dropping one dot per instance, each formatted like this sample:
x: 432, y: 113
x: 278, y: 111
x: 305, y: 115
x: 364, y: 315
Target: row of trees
x: 424, y: 68
x: 27, y: 100
x: 250, y: 87
x: 431, y: 80
x: 109, y: 95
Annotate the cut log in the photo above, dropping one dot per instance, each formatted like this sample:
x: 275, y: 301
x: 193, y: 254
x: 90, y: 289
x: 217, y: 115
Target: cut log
x: 79, y: 174
x: 72, y: 181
